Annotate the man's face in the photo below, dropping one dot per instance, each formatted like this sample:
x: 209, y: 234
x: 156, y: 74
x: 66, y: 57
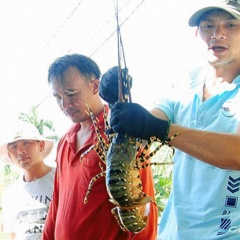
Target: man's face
x: 220, y: 32
x: 73, y: 92
x: 26, y: 153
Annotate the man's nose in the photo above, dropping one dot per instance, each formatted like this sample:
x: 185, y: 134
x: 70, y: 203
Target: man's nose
x: 218, y: 33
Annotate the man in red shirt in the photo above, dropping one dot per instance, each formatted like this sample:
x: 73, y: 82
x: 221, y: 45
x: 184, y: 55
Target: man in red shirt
x: 74, y: 81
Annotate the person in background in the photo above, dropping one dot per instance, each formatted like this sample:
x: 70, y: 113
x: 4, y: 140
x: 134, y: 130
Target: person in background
x: 203, y: 124
x: 25, y: 202
x: 74, y: 81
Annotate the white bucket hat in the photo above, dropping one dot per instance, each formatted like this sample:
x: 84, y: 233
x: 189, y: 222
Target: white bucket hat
x: 23, y: 131
x: 230, y: 6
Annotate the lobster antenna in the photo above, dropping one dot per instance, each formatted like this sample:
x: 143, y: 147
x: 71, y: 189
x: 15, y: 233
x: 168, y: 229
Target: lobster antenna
x: 121, y: 97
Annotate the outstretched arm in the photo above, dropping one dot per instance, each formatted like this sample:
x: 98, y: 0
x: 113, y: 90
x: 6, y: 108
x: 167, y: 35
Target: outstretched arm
x: 219, y: 149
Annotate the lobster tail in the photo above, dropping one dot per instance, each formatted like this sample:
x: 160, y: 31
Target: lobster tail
x: 133, y: 219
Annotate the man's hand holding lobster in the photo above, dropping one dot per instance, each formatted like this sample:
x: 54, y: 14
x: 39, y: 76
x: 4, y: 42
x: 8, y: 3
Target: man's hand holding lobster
x: 130, y: 118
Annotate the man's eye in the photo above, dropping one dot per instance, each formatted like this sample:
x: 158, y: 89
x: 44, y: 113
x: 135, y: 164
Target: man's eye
x: 12, y: 147
x: 69, y: 94
x: 207, y: 26
x: 231, y: 25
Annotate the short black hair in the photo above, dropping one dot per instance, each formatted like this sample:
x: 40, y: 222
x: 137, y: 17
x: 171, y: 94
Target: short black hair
x: 83, y: 64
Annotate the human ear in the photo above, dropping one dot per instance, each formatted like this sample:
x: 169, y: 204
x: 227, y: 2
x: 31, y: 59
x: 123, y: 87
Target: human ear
x: 196, y: 32
x: 95, y: 85
x: 42, y: 145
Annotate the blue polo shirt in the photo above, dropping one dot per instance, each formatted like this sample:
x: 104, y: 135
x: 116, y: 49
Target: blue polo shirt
x: 205, y: 200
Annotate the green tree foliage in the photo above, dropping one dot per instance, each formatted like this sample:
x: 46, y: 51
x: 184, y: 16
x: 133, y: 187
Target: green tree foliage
x: 162, y: 175
x: 40, y: 124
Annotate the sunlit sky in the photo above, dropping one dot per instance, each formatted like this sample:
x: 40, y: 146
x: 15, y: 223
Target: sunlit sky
x: 159, y: 47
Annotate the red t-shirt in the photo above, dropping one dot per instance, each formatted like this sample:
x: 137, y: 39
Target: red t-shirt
x: 68, y: 217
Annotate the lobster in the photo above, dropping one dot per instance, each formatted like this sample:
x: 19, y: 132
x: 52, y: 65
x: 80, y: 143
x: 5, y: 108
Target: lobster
x: 124, y: 185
